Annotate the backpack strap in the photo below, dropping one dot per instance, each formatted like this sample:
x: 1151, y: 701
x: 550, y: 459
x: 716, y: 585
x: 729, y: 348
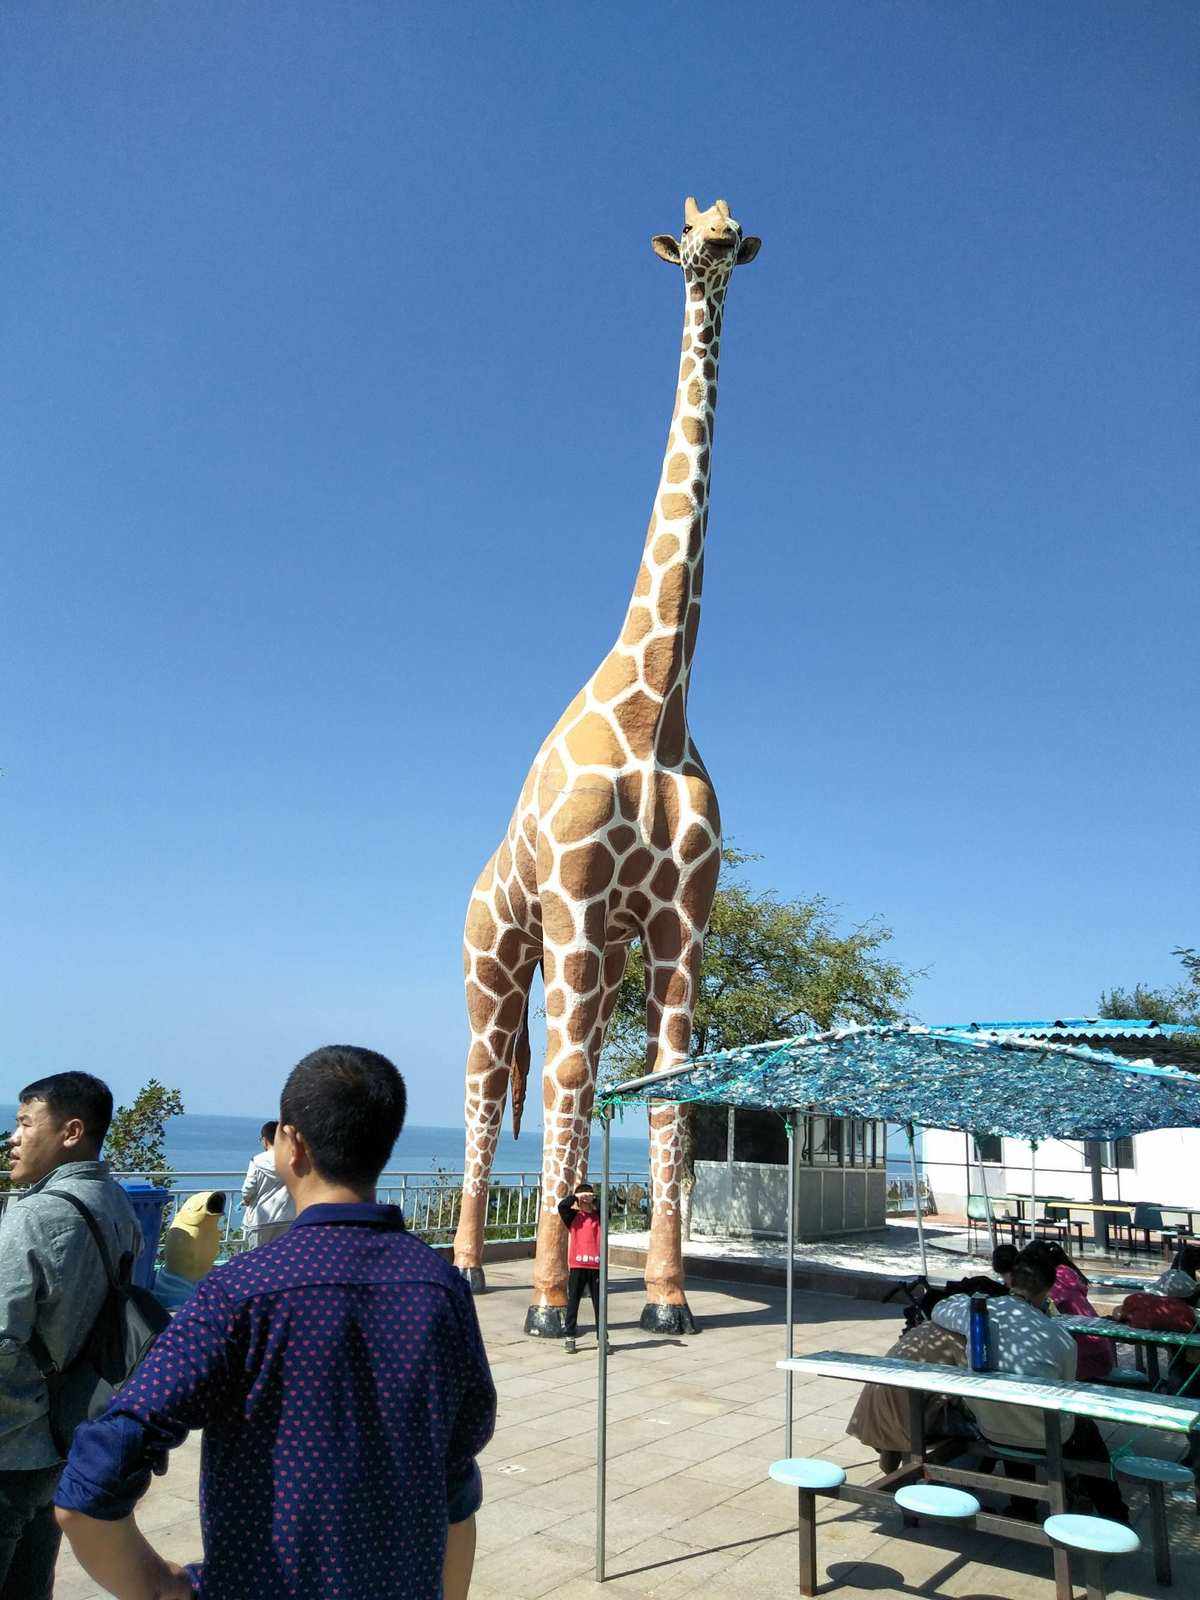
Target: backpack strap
x: 35, y: 1344
x: 94, y: 1229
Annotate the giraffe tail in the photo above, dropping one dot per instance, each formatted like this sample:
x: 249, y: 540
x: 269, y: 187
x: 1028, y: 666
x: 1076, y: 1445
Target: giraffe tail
x: 518, y: 1070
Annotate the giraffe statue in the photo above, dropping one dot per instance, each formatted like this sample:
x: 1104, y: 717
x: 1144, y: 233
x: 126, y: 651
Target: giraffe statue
x: 616, y: 836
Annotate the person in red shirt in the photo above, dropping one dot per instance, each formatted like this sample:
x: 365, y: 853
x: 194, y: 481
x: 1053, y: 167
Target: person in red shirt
x: 581, y: 1218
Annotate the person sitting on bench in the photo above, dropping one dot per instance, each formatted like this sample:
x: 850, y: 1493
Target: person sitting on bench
x: 1026, y: 1342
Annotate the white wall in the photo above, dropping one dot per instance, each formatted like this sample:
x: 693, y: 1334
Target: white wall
x: 1166, y: 1169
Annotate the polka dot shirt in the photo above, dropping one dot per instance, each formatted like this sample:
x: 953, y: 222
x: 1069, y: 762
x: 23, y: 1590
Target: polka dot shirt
x: 341, y: 1381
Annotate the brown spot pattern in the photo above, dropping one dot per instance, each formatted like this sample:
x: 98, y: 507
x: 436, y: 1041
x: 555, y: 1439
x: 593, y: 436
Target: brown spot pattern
x: 637, y: 716
x: 672, y: 729
x: 635, y: 868
x: 676, y: 505
x: 557, y: 918
x: 665, y: 881
x: 637, y: 625
x: 661, y: 660
x: 699, y: 888
x: 583, y: 813
x: 673, y: 595
x: 581, y: 969
x: 629, y: 794
x: 481, y: 926
x: 592, y: 742
x: 586, y: 871
x: 617, y: 673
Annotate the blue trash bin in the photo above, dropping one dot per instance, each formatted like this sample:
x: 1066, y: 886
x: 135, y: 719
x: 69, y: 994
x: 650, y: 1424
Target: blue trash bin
x: 149, y: 1203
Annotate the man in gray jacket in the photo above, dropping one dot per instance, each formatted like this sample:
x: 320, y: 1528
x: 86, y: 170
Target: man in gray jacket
x: 52, y: 1286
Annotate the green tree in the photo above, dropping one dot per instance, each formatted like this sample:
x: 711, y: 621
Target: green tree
x: 1179, y: 1003
x: 137, y: 1136
x: 771, y: 968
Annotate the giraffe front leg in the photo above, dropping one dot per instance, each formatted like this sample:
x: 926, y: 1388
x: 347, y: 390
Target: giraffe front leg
x: 671, y: 990
x: 497, y: 1017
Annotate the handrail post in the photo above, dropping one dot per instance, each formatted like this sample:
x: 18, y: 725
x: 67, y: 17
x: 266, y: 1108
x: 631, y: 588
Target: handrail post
x: 602, y: 1384
x: 789, y: 1348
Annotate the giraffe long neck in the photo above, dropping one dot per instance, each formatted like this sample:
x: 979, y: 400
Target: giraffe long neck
x: 665, y: 608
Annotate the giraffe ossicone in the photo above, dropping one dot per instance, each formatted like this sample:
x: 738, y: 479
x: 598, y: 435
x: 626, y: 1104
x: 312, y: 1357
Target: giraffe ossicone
x: 616, y: 836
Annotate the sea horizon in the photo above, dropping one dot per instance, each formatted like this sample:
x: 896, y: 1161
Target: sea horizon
x: 206, y: 1144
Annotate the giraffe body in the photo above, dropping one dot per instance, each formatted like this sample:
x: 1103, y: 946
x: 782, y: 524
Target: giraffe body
x: 616, y: 836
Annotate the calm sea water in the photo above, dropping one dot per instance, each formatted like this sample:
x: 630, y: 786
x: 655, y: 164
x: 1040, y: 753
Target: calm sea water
x: 211, y: 1145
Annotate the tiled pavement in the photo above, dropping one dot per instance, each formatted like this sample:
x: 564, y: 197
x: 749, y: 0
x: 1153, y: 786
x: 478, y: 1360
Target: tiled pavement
x: 693, y: 1426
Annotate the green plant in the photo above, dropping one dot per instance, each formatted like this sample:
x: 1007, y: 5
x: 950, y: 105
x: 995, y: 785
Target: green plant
x: 137, y: 1136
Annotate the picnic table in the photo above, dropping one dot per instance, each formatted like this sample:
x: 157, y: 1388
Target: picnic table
x: 1147, y: 1341
x: 1167, y: 1413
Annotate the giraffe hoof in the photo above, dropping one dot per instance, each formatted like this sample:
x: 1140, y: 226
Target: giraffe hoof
x: 667, y: 1319
x: 476, y: 1281
x: 545, y: 1322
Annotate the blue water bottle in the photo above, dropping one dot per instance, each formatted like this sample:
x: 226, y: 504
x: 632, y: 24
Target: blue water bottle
x: 979, y: 1354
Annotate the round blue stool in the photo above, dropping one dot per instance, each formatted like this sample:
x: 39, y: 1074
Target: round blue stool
x: 937, y: 1500
x: 1155, y: 1477
x: 806, y: 1472
x: 1095, y: 1538
x: 809, y: 1477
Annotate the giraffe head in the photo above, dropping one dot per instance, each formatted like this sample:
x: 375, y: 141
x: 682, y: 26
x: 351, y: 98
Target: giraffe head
x: 712, y: 242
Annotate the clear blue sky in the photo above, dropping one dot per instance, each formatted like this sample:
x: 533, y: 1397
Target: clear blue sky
x: 336, y: 380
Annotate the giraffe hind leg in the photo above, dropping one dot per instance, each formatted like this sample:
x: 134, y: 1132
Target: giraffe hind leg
x: 672, y: 982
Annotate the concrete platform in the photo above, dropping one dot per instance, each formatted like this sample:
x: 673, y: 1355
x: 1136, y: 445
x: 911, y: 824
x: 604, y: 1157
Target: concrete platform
x: 863, y: 1266
x: 694, y: 1425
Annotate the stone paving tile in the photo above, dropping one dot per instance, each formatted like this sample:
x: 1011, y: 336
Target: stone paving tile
x: 693, y: 1426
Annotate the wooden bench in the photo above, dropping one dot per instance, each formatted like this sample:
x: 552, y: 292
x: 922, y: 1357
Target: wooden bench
x: 1054, y: 1400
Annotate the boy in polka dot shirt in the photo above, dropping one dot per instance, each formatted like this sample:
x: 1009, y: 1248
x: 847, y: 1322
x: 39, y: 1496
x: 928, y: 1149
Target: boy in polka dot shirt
x: 340, y: 1379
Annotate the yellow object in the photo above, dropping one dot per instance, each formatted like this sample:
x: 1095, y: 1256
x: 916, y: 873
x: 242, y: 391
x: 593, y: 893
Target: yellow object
x: 194, y: 1237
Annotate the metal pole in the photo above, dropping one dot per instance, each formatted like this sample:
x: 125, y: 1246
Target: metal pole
x: 987, y: 1199
x: 1033, y: 1188
x: 789, y: 1349
x: 912, y: 1161
x: 1095, y: 1161
x: 602, y: 1369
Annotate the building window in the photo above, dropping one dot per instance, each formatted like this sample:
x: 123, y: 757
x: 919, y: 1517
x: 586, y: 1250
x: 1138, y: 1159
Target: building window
x: 712, y: 1133
x: 760, y: 1136
x: 1116, y: 1153
x: 990, y: 1147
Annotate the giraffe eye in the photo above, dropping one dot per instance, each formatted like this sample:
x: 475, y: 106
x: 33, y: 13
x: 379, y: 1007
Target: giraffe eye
x: 687, y: 227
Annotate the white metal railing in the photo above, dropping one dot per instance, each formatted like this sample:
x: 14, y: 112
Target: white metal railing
x: 901, y: 1194
x: 430, y: 1201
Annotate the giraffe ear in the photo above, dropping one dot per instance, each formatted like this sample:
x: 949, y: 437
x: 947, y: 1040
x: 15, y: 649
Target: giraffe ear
x: 663, y: 245
x: 748, y: 249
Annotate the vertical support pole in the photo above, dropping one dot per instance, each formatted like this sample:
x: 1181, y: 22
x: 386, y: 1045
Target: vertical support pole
x: 806, y: 1533
x: 912, y: 1161
x: 1095, y: 1161
x: 987, y: 1199
x: 789, y: 1305
x: 602, y: 1369
x: 1056, y: 1482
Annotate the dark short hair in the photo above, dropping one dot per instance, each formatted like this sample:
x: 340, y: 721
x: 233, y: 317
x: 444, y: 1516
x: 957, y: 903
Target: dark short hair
x: 586, y: 1188
x: 349, y: 1104
x: 1004, y: 1257
x: 1033, y: 1274
x: 267, y: 1131
x: 75, y: 1094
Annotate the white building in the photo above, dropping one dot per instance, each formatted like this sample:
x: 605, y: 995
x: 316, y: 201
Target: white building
x: 1162, y: 1168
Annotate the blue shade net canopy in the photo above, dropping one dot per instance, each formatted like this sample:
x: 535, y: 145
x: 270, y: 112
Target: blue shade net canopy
x: 980, y: 1079
x: 993, y: 1083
